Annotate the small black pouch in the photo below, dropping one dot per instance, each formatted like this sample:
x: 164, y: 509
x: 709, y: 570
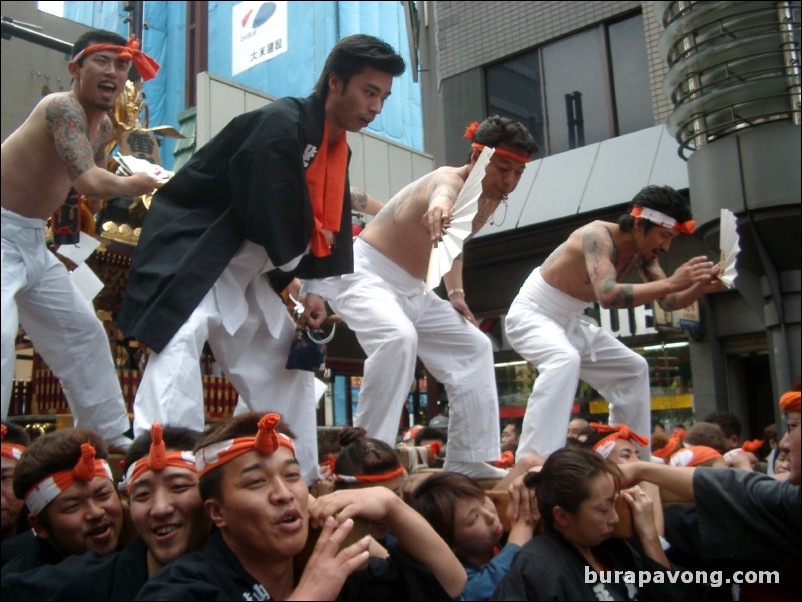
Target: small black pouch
x: 305, y: 352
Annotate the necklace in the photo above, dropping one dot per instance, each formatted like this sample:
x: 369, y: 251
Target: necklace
x: 499, y: 223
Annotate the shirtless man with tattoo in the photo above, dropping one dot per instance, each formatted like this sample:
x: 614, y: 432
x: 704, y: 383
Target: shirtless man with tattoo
x: 60, y: 145
x: 384, y: 303
x: 545, y: 326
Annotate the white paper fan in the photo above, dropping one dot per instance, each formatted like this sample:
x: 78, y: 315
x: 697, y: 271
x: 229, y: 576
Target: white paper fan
x: 730, y: 247
x: 461, y: 224
x: 131, y: 165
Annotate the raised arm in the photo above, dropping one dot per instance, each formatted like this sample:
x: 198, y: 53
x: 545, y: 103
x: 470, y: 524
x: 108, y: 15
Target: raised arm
x: 678, y: 479
x: 445, y: 188
x: 416, y: 537
x: 689, y: 282
x: 66, y: 121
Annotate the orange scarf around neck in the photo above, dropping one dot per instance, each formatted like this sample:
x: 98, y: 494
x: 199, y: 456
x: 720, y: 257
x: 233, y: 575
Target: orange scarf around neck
x: 325, y: 178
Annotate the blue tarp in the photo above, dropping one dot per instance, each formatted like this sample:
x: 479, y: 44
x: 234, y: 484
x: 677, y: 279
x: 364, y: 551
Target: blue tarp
x: 312, y: 29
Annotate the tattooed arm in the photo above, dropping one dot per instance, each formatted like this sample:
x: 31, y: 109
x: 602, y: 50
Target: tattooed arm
x: 66, y: 122
x: 601, y: 260
x: 689, y: 282
x: 364, y: 203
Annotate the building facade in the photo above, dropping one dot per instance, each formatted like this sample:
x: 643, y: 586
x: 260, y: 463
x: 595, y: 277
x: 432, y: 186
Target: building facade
x: 590, y: 79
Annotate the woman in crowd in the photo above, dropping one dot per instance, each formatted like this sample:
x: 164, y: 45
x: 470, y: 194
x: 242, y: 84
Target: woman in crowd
x: 458, y: 509
x: 577, y: 491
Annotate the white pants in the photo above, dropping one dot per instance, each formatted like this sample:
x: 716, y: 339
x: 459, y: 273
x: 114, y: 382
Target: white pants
x: 394, y: 321
x: 545, y: 326
x: 249, y: 331
x: 39, y: 294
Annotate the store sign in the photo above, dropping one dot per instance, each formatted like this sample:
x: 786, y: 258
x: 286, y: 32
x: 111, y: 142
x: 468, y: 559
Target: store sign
x: 627, y: 322
x: 687, y: 317
x: 258, y: 33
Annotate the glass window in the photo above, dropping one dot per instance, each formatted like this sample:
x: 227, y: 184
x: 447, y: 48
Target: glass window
x: 576, y: 102
x: 630, y: 69
x: 514, y: 91
x: 579, y: 90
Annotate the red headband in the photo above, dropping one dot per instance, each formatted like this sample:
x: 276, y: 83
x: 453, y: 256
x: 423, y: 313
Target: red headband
x: 694, y: 455
x: 661, y: 219
x: 789, y: 402
x: 146, y: 66
x: 471, y: 130
x: 158, y: 459
x: 12, y: 451
x: 670, y: 447
x: 362, y: 478
x: 48, y: 489
x: 622, y: 431
x: 752, y: 446
x: 266, y: 441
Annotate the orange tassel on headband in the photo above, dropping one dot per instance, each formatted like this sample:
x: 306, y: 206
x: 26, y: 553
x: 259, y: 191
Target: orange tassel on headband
x: 267, y: 439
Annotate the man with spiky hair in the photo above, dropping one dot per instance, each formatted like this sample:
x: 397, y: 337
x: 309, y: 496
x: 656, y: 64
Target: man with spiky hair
x: 545, y: 324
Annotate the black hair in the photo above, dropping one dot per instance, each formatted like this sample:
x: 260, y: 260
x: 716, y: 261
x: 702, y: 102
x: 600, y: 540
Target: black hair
x: 96, y: 36
x: 429, y: 432
x: 565, y: 480
x: 361, y: 455
x: 435, y: 499
x: 352, y: 54
x: 51, y: 453
x: 246, y: 425
x: 175, y: 438
x: 660, y: 198
x: 728, y: 422
x: 496, y: 130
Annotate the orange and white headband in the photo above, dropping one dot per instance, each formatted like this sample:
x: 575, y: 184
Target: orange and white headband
x: 158, y: 459
x: 48, y: 489
x: 471, y: 130
x: 661, y: 219
x: 673, y: 444
x: 606, y: 445
x: 266, y: 441
x: 363, y: 478
x: 145, y: 65
x: 789, y: 402
x: 10, y: 450
x: 694, y: 455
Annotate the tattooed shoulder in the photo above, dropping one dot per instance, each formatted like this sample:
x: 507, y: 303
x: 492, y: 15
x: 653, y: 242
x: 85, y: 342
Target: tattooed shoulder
x: 66, y: 121
x: 597, y: 240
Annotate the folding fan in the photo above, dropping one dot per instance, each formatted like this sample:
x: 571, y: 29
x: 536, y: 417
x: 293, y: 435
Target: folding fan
x: 730, y: 247
x: 461, y: 224
x: 130, y: 165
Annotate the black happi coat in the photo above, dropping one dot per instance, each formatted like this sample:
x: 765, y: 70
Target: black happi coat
x: 216, y: 574
x: 117, y: 576
x: 249, y: 183
x: 548, y: 567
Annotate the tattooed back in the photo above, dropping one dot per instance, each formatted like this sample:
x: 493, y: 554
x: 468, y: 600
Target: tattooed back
x: 397, y: 230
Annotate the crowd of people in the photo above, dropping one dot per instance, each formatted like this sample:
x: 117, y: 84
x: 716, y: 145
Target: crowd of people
x: 243, y: 509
